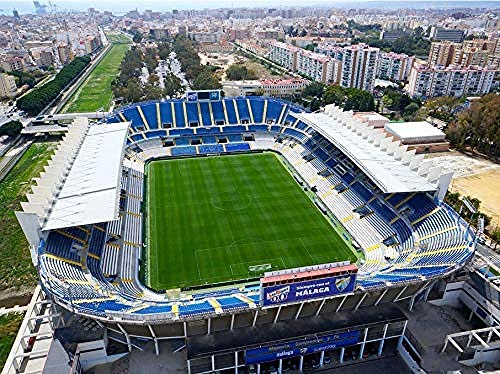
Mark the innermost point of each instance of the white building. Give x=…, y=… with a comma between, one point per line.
x=284, y=54
x=8, y=86
x=394, y=66
x=359, y=66
x=266, y=87
x=315, y=66
x=455, y=81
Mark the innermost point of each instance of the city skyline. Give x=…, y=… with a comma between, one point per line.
x=27, y=7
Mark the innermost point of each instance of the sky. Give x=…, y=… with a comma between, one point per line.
x=121, y=6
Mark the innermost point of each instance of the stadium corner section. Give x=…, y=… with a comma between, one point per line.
x=148, y=257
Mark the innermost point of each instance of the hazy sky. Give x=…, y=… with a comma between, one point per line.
x=26, y=6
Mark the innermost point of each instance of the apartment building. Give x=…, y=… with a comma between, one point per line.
x=430, y=81
x=42, y=56
x=329, y=49
x=394, y=66
x=471, y=52
x=315, y=66
x=8, y=86
x=284, y=54
x=12, y=63
x=452, y=35
x=65, y=53
x=359, y=66
x=267, y=87
x=205, y=37
x=441, y=53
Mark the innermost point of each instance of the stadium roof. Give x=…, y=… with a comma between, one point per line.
x=90, y=191
x=421, y=131
x=384, y=161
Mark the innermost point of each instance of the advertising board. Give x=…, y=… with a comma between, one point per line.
x=301, y=347
x=306, y=290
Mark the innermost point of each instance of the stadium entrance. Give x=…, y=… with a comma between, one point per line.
x=320, y=341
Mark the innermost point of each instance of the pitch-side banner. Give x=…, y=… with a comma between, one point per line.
x=301, y=347
x=312, y=289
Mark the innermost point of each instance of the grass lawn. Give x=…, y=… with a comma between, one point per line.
x=16, y=269
x=95, y=93
x=9, y=324
x=210, y=219
x=118, y=38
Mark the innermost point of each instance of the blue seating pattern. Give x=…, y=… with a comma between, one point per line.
x=427, y=235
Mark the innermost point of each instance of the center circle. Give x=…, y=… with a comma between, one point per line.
x=230, y=201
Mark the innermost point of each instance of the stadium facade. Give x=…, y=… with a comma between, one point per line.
x=84, y=223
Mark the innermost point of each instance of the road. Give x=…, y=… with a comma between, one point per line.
x=489, y=254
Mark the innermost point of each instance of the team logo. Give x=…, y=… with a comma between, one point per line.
x=279, y=295
x=342, y=283
x=192, y=96
x=214, y=95
x=303, y=351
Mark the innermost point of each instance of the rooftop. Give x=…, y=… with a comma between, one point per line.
x=383, y=160
x=90, y=191
x=414, y=130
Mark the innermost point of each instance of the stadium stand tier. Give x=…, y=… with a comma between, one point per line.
x=405, y=237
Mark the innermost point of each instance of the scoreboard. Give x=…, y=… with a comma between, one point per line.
x=205, y=95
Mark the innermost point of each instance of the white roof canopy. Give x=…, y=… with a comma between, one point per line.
x=421, y=131
x=385, y=161
x=81, y=184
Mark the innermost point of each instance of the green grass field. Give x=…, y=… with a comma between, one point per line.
x=118, y=38
x=96, y=93
x=16, y=268
x=210, y=219
x=9, y=324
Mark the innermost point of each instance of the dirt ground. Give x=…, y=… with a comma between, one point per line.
x=476, y=177
x=486, y=187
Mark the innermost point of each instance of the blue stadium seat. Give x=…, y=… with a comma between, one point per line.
x=132, y=115
x=180, y=120
x=149, y=111
x=184, y=151
x=205, y=114
x=231, y=112
x=242, y=106
x=210, y=148
x=237, y=147
x=218, y=111
x=257, y=106
x=192, y=112
x=166, y=114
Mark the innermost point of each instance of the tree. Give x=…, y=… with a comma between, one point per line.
x=410, y=109
x=349, y=98
x=359, y=100
x=172, y=86
x=137, y=37
x=315, y=89
x=206, y=81
x=152, y=92
x=334, y=95
x=495, y=236
x=238, y=72
x=11, y=128
x=477, y=126
x=40, y=97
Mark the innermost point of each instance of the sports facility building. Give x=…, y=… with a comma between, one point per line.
x=255, y=234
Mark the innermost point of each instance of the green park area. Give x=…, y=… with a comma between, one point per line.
x=16, y=268
x=96, y=93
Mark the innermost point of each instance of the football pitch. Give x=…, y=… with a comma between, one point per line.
x=217, y=219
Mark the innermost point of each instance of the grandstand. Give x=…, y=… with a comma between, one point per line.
x=384, y=199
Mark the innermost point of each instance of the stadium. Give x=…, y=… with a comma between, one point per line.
x=181, y=220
